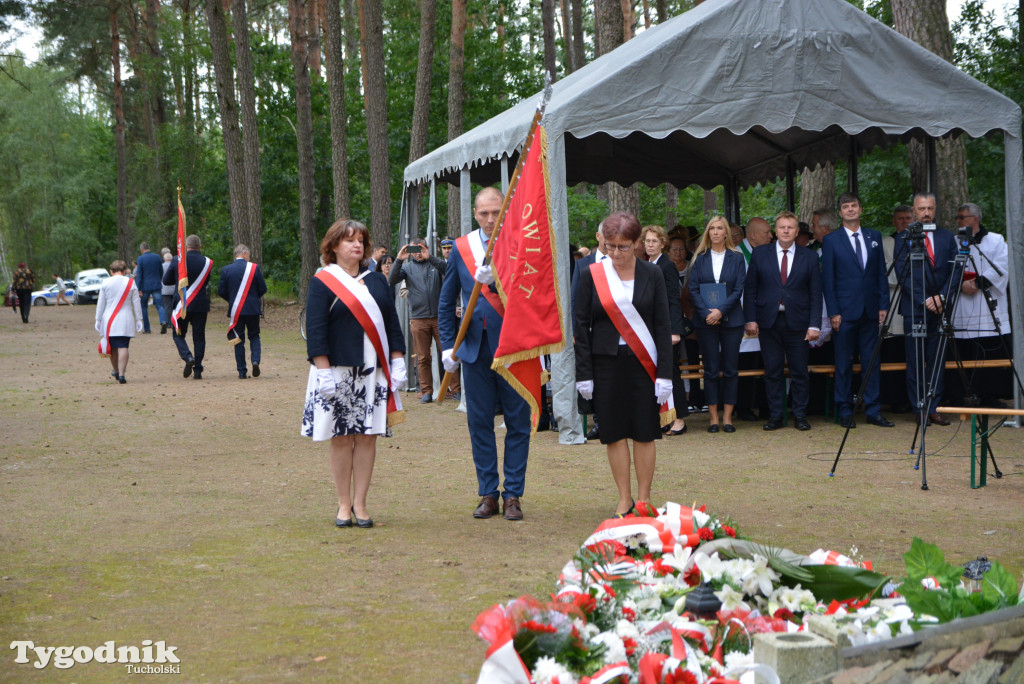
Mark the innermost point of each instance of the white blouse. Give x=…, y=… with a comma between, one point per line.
x=717, y=261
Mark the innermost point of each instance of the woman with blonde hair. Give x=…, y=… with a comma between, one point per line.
x=717, y=274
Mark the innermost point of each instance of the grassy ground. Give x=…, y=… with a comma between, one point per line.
x=193, y=513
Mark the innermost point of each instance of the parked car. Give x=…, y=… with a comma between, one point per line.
x=87, y=284
x=48, y=295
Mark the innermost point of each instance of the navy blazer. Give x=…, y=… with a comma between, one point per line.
x=933, y=280
x=734, y=274
x=231, y=279
x=763, y=289
x=194, y=262
x=458, y=280
x=575, y=280
x=149, y=272
x=595, y=332
x=675, y=311
x=851, y=291
x=333, y=331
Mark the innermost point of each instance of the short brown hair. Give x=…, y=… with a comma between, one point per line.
x=621, y=225
x=787, y=215
x=342, y=228
x=118, y=266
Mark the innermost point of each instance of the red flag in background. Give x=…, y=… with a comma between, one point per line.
x=524, y=258
x=182, y=266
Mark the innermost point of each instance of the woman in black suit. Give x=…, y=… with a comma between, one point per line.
x=655, y=243
x=719, y=328
x=350, y=395
x=615, y=370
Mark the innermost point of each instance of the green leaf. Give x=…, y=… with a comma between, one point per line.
x=999, y=586
x=926, y=560
x=838, y=582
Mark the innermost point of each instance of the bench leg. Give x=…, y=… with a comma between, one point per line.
x=984, y=450
x=974, y=449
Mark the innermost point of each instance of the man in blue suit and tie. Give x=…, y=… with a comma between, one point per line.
x=923, y=299
x=857, y=299
x=149, y=273
x=483, y=386
x=782, y=306
x=242, y=285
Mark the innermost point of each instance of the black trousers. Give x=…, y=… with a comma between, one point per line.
x=197, y=321
x=678, y=384
x=720, y=350
x=252, y=325
x=779, y=345
x=24, y=303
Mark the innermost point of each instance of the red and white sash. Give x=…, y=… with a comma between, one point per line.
x=631, y=326
x=364, y=307
x=104, y=346
x=191, y=293
x=239, y=301
x=471, y=249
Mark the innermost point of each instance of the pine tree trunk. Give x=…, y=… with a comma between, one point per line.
x=304, y=137
x=339, y=120
x=371, y=29
x=662, y=7
x=610, y=28
x=125, y=248
x=817, y=190
x=456, y=65
x=424, y=74
x=925, y=23
x=233, y=154
x=313, y=37
x=671, y=206
x=570, y=56
x=547, y=12
x=577, y=34
x=253, y=238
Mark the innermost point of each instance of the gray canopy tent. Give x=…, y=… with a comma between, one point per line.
x=732, y=93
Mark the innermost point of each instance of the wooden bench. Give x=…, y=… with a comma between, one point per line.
x=980, y=433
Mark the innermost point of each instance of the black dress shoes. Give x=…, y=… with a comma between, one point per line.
x=882, y=421
x=346, y=522
x=255, y=370
x=937, y=419
x=121, y=379
x=847, y=422
x=772, y=425
x=680, y=431
x=189, y=364
x=801, y=424
x=360, y=522
x=593, y=434
x=729, y=427
x=487, y=508
x=713, y=428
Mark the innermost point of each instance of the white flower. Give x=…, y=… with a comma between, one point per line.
x=700, y=518
x=548, y=669
x=633, y=541
x=615, y=650
x=874, y=244
x=626, y=629
x=899, y=613
x=738, y=659
x=731, y=599
x=587, y=630
x=711, y=567
x=789, y=598
x=678, y=558
x=759, y=576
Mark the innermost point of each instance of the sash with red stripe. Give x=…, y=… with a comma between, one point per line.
x=191, y=292
x=631, y=326
x=366, y=311
x=104, y=346
x=239, y=301
x=471, y=249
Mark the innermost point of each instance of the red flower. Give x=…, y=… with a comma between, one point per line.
x=680, y=676
x=692, y=576
x=534, y=626
x=630, y=645
x=729, y=531
x=629, y=614
x=705, y=534
x=661, y=568
x=784, y=614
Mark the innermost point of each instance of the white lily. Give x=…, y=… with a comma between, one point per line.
x=759, y=576
x=731, y=599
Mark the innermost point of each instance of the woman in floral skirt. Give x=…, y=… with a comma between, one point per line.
x=357, y=351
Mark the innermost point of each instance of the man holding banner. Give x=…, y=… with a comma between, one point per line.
x=194, y=307
x=242, y=285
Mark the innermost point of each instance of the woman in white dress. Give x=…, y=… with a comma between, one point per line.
x=357, y=351
x=118, y=317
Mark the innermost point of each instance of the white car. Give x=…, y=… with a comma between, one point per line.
x=48, y=295
x=87, y=284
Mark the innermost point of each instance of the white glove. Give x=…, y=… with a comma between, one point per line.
x=662, y=390
x=138, y=326
x=398, y=373
x=586, y=389
x=99, y=326
x=325, y=383
x=484, y=275
x=450, y=364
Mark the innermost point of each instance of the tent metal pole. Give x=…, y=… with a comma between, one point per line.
x=432, y=208
x=1013, y=164
x=852, y=181
x=933, y=167
x=406, y=231
x=790, y=184
x=504, y=173
x=465, y=201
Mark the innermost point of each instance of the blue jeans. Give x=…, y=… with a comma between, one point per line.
x=158, y=302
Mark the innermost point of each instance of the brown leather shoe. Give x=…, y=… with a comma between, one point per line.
x=512, y=509
x=488, y=507
x=937, y=419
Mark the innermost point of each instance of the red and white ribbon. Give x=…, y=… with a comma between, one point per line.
x=471, y=249
x=503, y=665
x=104, y=346
x=657, y=536
x=239, y=301
x=191, y=292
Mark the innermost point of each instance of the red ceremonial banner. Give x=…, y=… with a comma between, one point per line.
x=524, y=258
x=182, y=266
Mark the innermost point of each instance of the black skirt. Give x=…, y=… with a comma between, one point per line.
x=624, y=400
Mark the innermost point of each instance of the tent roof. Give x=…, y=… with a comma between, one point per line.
x=733, y=89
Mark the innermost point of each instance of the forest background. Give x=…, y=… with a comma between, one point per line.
x=278, y=116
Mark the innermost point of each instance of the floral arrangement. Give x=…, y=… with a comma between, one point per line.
x=628, y=607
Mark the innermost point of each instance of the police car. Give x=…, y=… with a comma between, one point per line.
x=48, y=295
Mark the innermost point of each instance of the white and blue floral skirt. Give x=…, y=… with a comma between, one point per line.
x=359, y=408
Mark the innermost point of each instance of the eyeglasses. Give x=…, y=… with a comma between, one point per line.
x=652, y=242
x=628, y=247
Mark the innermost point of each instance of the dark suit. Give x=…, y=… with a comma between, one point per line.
x=675, y=316
x=483, y=386
x=719, y=344
x=249, y=319
x=197, y=311
x=581, y=266
x=783, y=314
x=857, y=293
x=916, y=288
x=623, y=390
x=333, y=331
x=148, y=275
